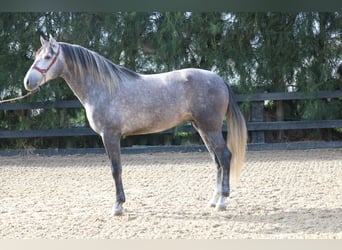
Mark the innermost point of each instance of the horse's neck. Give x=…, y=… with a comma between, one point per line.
x=83, y=85
x=80, y=87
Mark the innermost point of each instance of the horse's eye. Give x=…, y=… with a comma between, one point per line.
x=47, y=57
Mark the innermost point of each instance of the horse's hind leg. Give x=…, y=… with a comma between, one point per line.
x=222, y=159
x=112, y=145
x=221, y=155
x=215, y=197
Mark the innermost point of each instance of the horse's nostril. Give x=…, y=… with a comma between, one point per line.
x=27, y=84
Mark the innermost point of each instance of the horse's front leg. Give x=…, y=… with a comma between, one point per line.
x=111, y=142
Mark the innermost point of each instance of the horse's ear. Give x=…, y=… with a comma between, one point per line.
x=52, y=40
x=42, y=41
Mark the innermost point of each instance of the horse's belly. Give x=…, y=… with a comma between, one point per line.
x=143, y=124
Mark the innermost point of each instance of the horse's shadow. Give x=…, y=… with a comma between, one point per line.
x=308, y=220
x=299, y=221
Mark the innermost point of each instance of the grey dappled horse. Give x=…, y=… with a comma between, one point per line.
x=120, y=102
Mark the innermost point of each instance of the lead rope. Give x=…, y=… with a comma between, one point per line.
x=20, y=97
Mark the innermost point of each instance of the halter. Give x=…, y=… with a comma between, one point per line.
x=44, y=71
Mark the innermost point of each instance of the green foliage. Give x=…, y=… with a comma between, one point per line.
x=254, y=52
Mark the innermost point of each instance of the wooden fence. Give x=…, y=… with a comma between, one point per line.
x=257, y=126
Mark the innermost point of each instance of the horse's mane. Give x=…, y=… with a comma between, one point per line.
x=104, y=72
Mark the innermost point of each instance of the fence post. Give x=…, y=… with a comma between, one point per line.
x=257, y=116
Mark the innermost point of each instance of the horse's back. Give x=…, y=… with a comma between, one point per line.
x=196, y=85
x=204, y=95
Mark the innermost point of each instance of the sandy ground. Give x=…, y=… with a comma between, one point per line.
x=282, y=194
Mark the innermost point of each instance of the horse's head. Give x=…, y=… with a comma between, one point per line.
x=47, y=65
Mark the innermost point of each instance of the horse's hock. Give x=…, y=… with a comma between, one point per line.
x=282, y=194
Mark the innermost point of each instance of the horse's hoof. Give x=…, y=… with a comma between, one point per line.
x=117, y=210
x=220, y=207
x=212, y=204
x=213, y=201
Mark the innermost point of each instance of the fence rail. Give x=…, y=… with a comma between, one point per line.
x=257, y=126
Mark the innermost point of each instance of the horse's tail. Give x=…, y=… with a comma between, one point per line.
x=236, y=137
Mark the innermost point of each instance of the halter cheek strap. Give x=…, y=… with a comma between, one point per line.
x=44, y=71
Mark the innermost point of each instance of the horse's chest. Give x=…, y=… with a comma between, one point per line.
x=100, y=118
x=93, y=121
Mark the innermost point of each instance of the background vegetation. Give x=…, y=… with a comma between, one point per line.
x=254, y=52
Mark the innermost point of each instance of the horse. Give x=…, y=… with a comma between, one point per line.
x=120, y=102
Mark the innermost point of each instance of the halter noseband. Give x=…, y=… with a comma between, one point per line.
x=44, y=71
